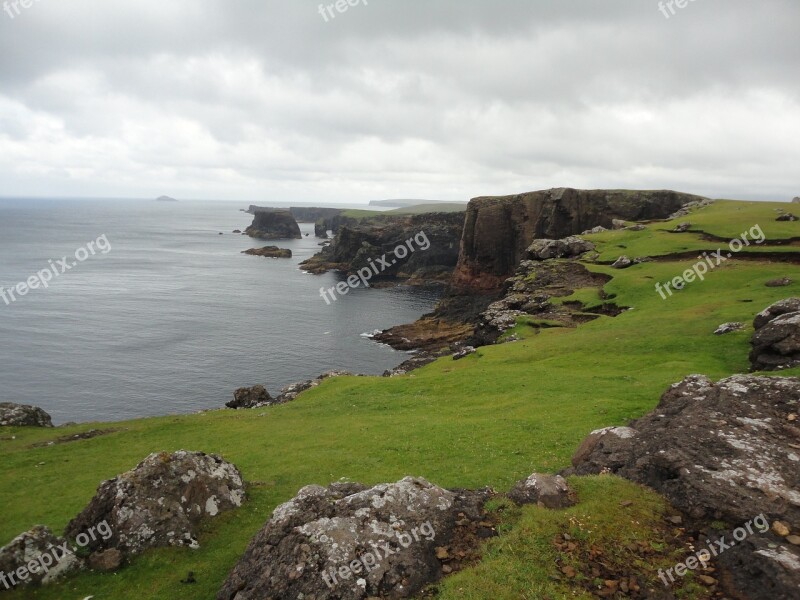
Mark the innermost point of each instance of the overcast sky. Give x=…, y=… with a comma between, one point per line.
x=442, y=99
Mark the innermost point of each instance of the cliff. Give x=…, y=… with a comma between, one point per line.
x=498, y=230
x=359, y=241
x=274, y=224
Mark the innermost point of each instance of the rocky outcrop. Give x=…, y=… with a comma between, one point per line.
x=726, y=451
x=499, y=230
x=715, y=450
x=417, y=248
x=252, y=397
x=269, y=252
x=161, y=502
x=350, y=542
x=570, y=247
x=776, y=342
x=796, y=200
x=40, y=549
x=787, y=217
x=547, y=491
x=23, y=415
x=274, y=224
x=726, y=328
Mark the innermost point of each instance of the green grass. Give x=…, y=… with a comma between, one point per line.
x=489, y=419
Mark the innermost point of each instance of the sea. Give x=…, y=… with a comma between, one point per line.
x=153, y=312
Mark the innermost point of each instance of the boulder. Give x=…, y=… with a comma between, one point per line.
x=161, y=502
x=254, y=397
x=780, y=282
x=623, y=262
x=464, y=352
x=728, y=328
x=39, y=546
x=782, y=307
x=23, y=415
x=547, y=491
x=776, y=345
x=715, y=450
x=347, y=541
x=787, y=217
x=618, y=224
x=682, y=228
x=567, y=248
x=598, y=229
x=637, y=227
x=269, y=252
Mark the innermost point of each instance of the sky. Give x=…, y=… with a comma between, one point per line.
x=265, y=100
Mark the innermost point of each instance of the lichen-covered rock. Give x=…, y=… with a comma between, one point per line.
x=349, y=542
x=161, y=502
x=715, y=450
x=548, y=491
x=724, y=451
x=254, y=397
x=776, y=345
x=782, y=307
x=726, y=328
x=23, y=415
x=569, y=247
x=51, y=557
x=623, y=262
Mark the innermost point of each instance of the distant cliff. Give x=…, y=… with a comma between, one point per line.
x=274, y=224
x=358, y=241
x=497, y=230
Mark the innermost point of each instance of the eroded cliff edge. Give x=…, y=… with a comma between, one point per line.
x=498, y=230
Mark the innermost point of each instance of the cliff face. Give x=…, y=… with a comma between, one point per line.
x=497, y=230
x=274, y=225
x=358, y=242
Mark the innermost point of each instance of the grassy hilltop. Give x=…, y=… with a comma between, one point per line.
x=488, y=420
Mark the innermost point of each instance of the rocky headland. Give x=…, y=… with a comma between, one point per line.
x=274, y=224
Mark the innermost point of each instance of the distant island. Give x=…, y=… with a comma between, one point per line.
x=165, y=199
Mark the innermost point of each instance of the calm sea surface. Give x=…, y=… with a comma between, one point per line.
x=173, y=318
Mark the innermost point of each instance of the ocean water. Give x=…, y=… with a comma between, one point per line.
x=169, y=316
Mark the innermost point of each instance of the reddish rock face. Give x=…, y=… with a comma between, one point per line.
x=498, y=230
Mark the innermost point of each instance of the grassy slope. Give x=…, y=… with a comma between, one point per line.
x=418, y=209
x=489, y=419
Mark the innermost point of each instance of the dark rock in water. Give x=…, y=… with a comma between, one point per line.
x=269, y=252
x=787, y=217
x=728, y=328
x=567, y=248
x=23, y=415
x=623, y=262
x=254, y=397
x=548, y=491
x=782, y=282
x=720, y=451
x=782, y=307
x=776, y=345
x=347, y=541
x=274, y=224
x=161, y=502
x=31, y=546
x=105, y=560
x=237, y=231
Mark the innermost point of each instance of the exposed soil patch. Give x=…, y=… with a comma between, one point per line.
x=86, y=435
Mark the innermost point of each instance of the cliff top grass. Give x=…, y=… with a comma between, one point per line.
x=489, y=419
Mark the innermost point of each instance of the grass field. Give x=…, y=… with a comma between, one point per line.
x=489, y=419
